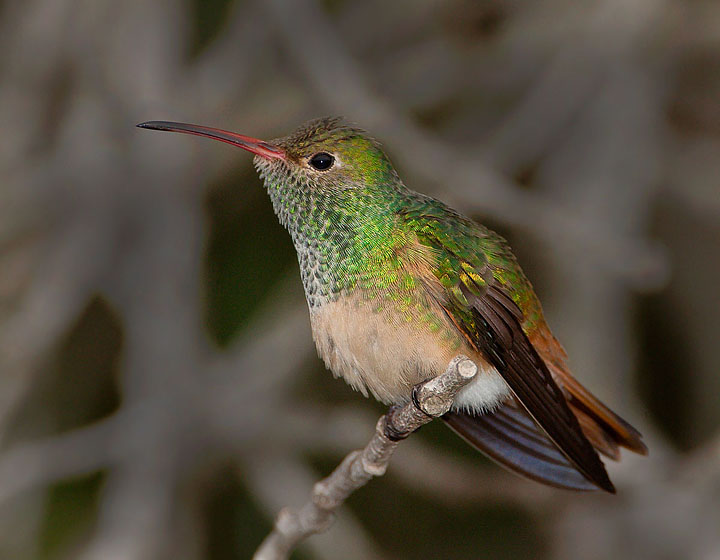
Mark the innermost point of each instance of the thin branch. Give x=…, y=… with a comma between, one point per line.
x=431, y=399
x=420, y=466
x=280, y=476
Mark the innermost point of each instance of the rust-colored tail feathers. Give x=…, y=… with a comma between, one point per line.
x=605, y=429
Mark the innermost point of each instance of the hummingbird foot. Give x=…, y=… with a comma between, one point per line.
x=430, y=399
x=390, y=429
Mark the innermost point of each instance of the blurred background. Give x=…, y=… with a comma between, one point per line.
x=160, y=396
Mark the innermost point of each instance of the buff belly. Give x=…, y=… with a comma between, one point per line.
x=385, y=355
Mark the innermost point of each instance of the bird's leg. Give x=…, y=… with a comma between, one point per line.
x=430, y=399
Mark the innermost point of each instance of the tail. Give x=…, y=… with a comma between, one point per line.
x=605, y=429
x=511, y=437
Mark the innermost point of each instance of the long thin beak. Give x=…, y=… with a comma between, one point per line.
x=248, y=143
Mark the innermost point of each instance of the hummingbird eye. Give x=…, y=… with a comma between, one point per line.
x=322, y=161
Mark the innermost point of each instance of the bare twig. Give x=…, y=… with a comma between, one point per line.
x=430, y=400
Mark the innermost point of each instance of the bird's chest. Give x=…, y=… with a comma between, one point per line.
x=376, y=325
x=379, y=348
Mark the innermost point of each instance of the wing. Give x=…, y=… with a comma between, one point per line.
x=511, y=438
x=486, y=296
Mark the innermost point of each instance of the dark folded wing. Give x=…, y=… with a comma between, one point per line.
x=511, y=438
x=498, y=334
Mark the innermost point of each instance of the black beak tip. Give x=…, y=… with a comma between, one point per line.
x=148, y=124
x=160, y=125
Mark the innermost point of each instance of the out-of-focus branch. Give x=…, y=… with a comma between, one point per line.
x=430, y=400
x=604, y=109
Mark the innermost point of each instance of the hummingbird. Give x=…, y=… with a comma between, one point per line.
x=398, y=283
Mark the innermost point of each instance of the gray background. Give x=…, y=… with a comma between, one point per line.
x=160, y=396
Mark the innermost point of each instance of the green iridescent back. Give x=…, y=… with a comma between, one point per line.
x=470, y=257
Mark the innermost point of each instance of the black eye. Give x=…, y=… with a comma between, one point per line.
x=322, y=161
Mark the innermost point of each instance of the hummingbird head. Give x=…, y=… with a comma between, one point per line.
x=323, y=156
x=334, y=190
x=331, y=186
x=327, y=156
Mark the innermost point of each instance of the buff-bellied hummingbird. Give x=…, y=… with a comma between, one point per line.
x=398, y=284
